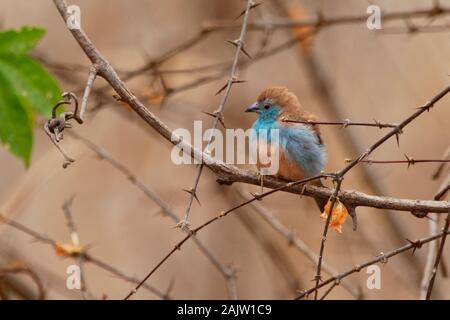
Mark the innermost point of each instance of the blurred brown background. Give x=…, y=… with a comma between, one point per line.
x=369, y=76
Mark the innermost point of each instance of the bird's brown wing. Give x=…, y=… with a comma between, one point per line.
x=301, y=115
x=315, y=127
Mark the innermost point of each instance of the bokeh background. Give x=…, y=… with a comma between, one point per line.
x=346, y=71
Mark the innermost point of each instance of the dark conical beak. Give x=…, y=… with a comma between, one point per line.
x=253, y=108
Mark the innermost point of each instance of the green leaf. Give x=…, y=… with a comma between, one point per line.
x=33, y=85
x=20, y=42
x=16, y=127
x=26, y=88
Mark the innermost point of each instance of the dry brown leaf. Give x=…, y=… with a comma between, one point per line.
x=338, y=215
x=67, y=249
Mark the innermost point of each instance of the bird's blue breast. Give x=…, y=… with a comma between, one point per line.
x=298, y=142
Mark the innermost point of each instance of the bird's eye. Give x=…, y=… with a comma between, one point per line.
x=266, y=106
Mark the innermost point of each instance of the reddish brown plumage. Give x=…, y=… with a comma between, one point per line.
x=290, y=109
x=280, y=96
x=290, y=106
x=287, y=169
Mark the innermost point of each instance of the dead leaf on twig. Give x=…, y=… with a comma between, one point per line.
x=338, y=216
x=68, y=249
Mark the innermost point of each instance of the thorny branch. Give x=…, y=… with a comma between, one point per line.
x=218, y=114
x=322, y=87
x=438, y=256
x=229, y=174
x=153, y=65
x=321, y=21
x=431, y=255
x=294, y=240
x=216, y=218
x=381, y=258
x=439, y=252
x=409, y=161
x=227, y=271
x=340, y=175
x=346, y=123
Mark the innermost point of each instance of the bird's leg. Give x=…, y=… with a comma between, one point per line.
x=262, y=182
x=303, y=189
x=352, y=213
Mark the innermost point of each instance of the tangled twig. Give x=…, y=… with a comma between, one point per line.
x=381, y=258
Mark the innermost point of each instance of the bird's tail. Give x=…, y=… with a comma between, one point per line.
x=321, y=202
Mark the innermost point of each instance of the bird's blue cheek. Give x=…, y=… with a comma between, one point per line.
x=266, y=122
x=268, y=117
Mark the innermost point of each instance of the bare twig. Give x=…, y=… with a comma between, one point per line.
x=87, y=91
x=21, y=268
x=227, y=271
x=239, y=43
x=321, y=21
x=346, y=123
x=315, y=25
x=281, y=259
x=216, y=218
x=75, y=238
x=151, y=65
x=432, y=247
x=334, y=197
x=293, y=240
x=443, y=189
x=411, y=29
x=438, y=257
x=87, y=257
x=409, y=161
x=431, y=255
x=440, y=169
x=334, y=285
x=382, y=257
x=438, y=253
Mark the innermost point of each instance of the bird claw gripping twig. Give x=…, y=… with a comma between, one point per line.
x=54, y=127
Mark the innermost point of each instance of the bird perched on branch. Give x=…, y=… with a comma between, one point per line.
x=302, y=153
